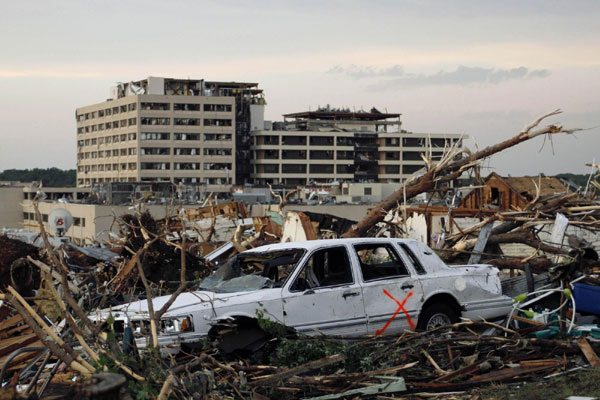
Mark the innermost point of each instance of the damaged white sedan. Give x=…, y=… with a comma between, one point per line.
x=338, y=287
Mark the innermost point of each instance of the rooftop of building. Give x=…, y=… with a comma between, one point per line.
x=335, y=114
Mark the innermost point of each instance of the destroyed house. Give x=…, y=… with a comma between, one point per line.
x=511, y=192
x=339, y=145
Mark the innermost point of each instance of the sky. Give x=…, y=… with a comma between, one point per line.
x=484, y=69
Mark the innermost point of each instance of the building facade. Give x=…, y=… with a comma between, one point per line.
x=328, y=145
x=162, y=129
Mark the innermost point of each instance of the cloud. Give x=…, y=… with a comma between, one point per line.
x=462, y=76
x=365, y=71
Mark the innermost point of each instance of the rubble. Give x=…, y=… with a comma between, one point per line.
x=48, y=332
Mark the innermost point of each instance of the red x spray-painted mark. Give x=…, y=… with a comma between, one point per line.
x=400, y=307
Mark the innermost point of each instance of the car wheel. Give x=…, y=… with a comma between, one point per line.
x=436, y=315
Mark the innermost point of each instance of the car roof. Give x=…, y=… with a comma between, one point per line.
x=316, y=244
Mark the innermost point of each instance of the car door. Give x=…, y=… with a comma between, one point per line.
x=325, y=294
x=392, y=296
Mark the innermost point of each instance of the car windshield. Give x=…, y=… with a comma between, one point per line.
x=253, y=271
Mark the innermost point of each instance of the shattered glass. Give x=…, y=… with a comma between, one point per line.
x=253, y=271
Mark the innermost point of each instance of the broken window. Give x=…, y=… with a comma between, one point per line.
x=186, y=151
x=186, y=136
x=217, y=107
x=155, y=165
x=321, y=168
x=411, y=169
x=321, y=140
x=154, y=136
x=131, y=136
x=379, y=261
x=217, y=122
x=345, y=141
x=392, y=155
x=413, y=259
x=321, y=154
x=131, y=107
x=187, y=121
x=270, y=168
x=155, y=121
x=413, y=142
x=293, y=154
x=325, y=268
x=186, y=107
x=392, y=142
x=156, y=106
x=132, y=151
x=123, y=108
x=217, y=152
x=253, y=271
x=132, y=121
x=293, y=168
x=345, y=169
x=392, y=169
x=186, y=165
x=217, y=166
x=221, y=137
x=156, y=151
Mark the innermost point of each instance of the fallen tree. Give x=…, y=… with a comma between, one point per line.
x=449, y=169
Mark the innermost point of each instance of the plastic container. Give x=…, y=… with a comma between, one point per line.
x=587, y=298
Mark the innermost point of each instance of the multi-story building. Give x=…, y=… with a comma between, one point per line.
x=340, y=145
x=162, y=129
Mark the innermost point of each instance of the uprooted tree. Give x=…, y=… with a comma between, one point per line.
x=449, y=169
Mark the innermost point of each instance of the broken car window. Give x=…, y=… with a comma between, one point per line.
x=253, y=271
x=379, y=261
x=327, y=267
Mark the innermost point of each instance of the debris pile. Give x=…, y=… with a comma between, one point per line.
x=51, y=331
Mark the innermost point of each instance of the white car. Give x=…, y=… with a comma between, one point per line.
x=338, y=287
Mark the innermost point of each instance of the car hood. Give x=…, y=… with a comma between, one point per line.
x=189, y=302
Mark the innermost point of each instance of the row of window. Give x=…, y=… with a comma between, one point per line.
x=329, y=169
x=124, y=123
x=208, y=137
x=27, y=216
x=107, y=167
x=318, y=140
x=185, y=121
x=183, y=151
x=340, y=155
x=158, y=106
x=107, y=139
x=186, y=165
x=132, y=151
x=107, y=112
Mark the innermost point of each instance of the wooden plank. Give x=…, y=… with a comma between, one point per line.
x=9, y=345
x=301, y=369
x=10, y=322
x=588, y=352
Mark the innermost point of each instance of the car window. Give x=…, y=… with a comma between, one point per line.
x=415, y=261
x=324, y=268
x=379, y=261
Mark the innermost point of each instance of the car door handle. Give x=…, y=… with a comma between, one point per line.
x=407, y=286
x=349, y=294
x=309, y=291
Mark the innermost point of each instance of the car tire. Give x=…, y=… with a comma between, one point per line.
x=436, y=315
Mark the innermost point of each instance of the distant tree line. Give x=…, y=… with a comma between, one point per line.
x=48, y=176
